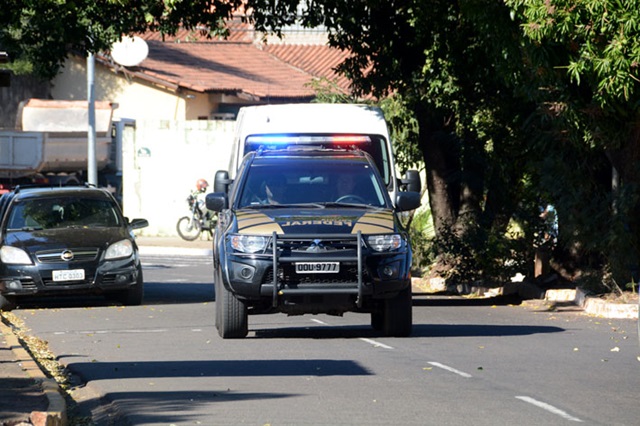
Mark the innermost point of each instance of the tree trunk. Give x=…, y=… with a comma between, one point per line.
x=442, y=169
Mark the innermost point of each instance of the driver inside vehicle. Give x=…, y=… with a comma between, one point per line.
x=345, y=185
x=347, y=190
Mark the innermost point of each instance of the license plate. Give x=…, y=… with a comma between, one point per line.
x=68, y=275
x=317, y=267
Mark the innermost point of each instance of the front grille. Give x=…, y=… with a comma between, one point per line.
x=56, y=256
x=315, y=245
x=28, y=283
x=109, y=279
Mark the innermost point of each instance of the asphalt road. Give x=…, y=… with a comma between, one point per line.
x=480, y=362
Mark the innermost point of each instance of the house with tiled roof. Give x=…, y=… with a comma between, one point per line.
x=189, y=76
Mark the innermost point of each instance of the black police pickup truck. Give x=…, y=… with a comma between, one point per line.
x=310, y=231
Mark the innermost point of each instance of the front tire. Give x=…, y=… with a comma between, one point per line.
x=133, y=295
x=216, y=288
x=398, y=316
x=188, y=228
x=377, y=320
x=7, y=303
x=231, y=314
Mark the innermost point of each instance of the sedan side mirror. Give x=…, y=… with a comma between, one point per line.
x=138, y=223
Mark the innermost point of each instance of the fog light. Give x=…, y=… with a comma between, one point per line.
x=14, y=285
x=246, y=273
x=388, y=271
x=121, y=279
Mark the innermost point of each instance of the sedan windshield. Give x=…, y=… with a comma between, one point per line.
x=312, y=182
x=49, y=213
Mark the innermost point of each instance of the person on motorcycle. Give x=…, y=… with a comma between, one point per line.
x=199, y=195
x=200, y=218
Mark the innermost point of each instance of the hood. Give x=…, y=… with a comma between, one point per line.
x=315, y=221
x=65, y=238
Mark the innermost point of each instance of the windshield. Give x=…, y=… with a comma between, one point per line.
x=49, y=213
x=309, y=181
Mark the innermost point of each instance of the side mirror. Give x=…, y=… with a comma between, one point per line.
x=412, y=181
x=406, y=201
x=221, y=182
x=216, y=201
x=138, y=223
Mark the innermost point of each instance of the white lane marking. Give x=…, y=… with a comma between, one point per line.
x=376, y=344
x=370, y=341
x=451, y=369
x=550, y=408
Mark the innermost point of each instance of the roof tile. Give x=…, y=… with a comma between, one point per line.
x=239, y=64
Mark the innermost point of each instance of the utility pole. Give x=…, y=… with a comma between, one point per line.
x=92, y=169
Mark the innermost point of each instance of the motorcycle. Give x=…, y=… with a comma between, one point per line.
x=190, y=227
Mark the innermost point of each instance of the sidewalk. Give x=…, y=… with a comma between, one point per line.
x=28, y=396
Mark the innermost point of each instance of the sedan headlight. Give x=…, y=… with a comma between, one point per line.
x=249, y=243
x=15, y=256
x=385, y=242
x=118, y=250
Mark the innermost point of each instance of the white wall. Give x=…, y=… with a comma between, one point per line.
x=162, y=160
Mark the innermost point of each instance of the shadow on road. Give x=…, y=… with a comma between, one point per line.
x=419, y=330
x=90, y=371
x=154, y=294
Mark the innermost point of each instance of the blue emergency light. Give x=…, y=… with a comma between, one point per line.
x=307, y=139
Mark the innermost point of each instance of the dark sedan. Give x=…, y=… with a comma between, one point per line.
x=68, y=240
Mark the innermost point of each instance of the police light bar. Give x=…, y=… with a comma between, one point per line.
x=307, y=139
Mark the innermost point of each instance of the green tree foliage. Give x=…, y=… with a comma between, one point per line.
x=587, y=56
x=43, y=32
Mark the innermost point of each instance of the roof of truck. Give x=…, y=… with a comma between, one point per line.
x=314, y=118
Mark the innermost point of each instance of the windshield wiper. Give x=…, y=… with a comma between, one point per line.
x=284, y=206
x=358, y=205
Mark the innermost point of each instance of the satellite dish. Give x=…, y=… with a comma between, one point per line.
x=130, y=51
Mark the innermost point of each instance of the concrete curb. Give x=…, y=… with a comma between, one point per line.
x=56, y=414
x=590, y=305
x=601, y=308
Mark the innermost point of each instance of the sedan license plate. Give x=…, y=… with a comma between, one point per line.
x=69, y=275
x=317, y=267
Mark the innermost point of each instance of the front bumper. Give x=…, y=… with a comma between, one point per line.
x=31, y=280
x=364, y=273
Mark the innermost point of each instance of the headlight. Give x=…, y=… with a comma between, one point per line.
x=386, y=242
x=14, y=256
x=249, y=243
x=120, y=249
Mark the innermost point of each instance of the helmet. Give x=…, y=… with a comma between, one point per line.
x=202, y=185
